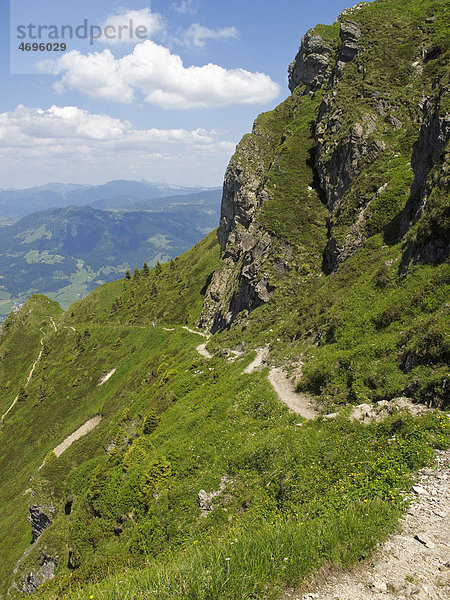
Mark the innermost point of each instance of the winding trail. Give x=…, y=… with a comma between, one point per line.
x=284, y=387
x=259, y=360
x=30, y=375
x=203, y=351
x=205, y=335
x=53, y=323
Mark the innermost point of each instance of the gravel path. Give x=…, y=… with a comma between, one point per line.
x=259, y=360
x=284, y=387
x=205, y=335
x=203, y=351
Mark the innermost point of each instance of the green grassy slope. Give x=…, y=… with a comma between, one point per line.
x=283, y=496
x=179, y=424
x=64, y=392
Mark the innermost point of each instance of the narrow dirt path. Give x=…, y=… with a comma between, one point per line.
x=53, y=323
x=413, y=563
x=203, y=351
x=284, y=387
x=259, y=360
x=205, y=335
x=30, y=375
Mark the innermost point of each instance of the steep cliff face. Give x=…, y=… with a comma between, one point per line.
x=428, y=201
x=240, y=284
x=369, y=87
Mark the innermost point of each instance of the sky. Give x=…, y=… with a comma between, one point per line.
x=160, y=91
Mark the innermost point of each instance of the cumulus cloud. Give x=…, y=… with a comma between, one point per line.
x=131, y=26
x=186, y=7
x=162, y=78
x=70, y=142
x=197, y=35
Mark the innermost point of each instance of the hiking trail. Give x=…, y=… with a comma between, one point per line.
x=283, y=385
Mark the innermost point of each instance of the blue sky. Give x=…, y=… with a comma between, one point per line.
x=169, y=106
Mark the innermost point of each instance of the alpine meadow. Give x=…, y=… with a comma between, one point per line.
x=252, y=415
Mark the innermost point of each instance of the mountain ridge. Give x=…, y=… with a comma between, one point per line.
x=16, y=203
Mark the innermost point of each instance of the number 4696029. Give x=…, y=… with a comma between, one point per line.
x=43, y=47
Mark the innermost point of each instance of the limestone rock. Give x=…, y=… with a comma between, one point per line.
x=350, y=33
x=424, y=539
x=204, y=499
x=39, y=519
x=396, y=586
x=378, y=586
x=45, y=573
x=312, y=65
x=429, y=151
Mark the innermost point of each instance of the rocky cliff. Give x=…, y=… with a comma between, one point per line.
x=372, y=92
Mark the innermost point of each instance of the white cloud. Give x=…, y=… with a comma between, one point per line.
x=196, y=34
x=161, y=77
x=185, y=7
x=131, y=26
x=71, y=144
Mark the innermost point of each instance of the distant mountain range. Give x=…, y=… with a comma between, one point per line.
x=121, y=195
x=65, y=252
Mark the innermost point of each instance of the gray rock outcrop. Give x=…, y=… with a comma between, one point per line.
x=351, y=152
x=205, y=499
x=45, y=573
x=429, y=154
x=239, y=283
x=312, y=65
x=39, y=519
x=350, y=33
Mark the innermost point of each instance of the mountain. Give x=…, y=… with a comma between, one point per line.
x=118, y=194
x=117, y=202
x=67, y=252
x=251, y=415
